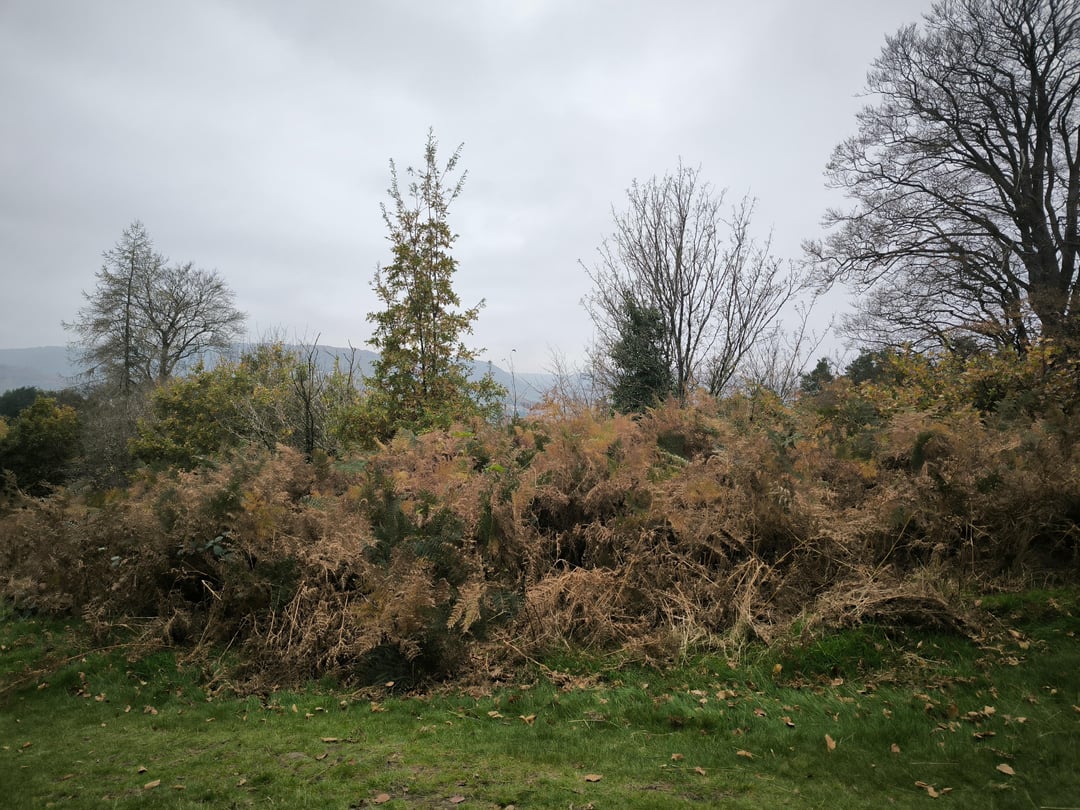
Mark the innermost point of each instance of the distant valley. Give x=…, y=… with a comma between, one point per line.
x=50, y=368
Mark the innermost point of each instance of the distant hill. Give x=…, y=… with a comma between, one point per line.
x=44, y=367
x=50, y=368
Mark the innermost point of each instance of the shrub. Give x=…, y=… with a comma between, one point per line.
x=40, y=443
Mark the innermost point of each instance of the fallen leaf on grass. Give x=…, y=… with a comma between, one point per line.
x=375, y=708
x=152, y=785
x=457, y=799
x=677, y=757
x=932, y=791
x=759, y=712
x=382, y=798
x=894, y=748
x=699, y=770
x=527, y=719
x=593, y=777
x=494, y=715
x=788, y=721
x=330, y=739
x=142, y=769
x=26, y=744
x=1006, y=769
x=830, y=743
x=743, y=753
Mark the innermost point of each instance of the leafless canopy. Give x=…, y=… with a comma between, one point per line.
x=966, y=177
x=146, y=317
x=675, y=250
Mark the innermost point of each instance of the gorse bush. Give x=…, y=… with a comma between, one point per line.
x=39, y=443
x=455, y=551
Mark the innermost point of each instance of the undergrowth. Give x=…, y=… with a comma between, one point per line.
x=463, y=554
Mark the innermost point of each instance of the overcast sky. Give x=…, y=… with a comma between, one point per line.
x=253, y=137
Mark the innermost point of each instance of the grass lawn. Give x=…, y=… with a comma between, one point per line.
x=863, y=718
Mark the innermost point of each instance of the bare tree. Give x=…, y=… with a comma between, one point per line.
x=966, y=177
x=778, y=358
x=146, y=318
x=185, y=311
x=715, y=288
x=108, y=341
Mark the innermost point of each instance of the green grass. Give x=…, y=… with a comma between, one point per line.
x=659, y=739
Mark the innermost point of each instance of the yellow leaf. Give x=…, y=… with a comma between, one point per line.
x=527, y=719
x=776, y=670
x=295, y=710
x=1006, y=769
x=742, y=753
x=494, y=714
x=830, y=743
x=152, y=785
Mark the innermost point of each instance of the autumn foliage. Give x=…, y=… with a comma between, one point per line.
x=464, y=551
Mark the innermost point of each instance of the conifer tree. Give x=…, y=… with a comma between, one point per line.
x=642, y=371
x=421, y=378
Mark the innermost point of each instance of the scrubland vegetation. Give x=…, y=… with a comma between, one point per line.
x=466, y=552
x=738, y=601
x=704, y=578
